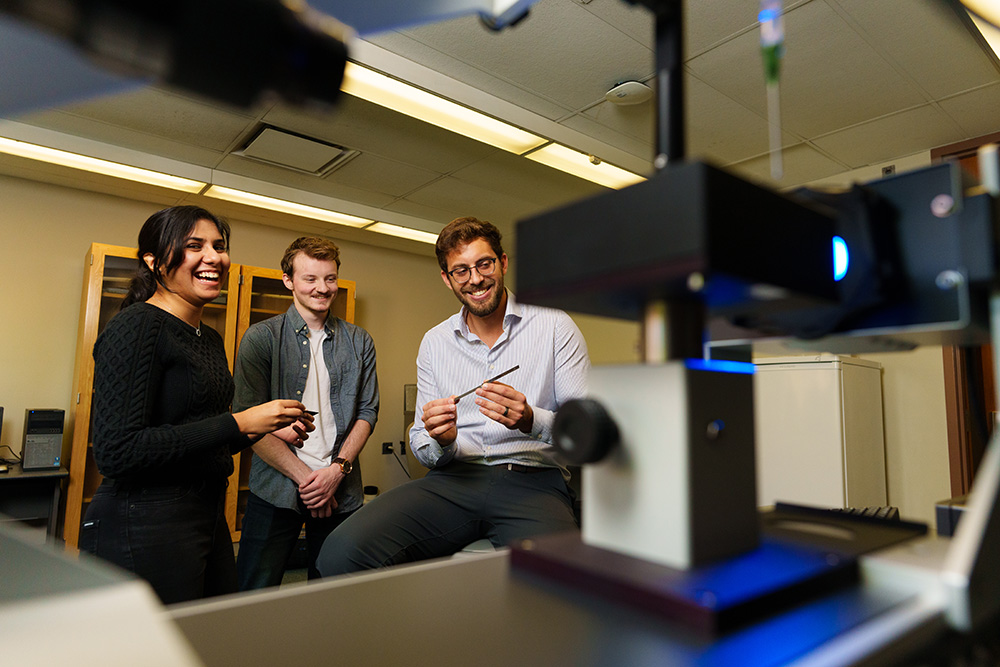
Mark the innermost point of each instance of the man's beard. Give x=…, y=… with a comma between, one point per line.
x=484, y=309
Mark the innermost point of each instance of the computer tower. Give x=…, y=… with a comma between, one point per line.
x=43, y=435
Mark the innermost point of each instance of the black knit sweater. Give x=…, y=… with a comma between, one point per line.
x=161, y=400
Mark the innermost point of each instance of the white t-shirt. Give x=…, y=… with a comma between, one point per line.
x=317, y=451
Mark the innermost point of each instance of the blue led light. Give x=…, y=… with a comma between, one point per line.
x=841, y=258
x=719, y=366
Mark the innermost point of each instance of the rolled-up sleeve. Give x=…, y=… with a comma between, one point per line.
x=368, y=397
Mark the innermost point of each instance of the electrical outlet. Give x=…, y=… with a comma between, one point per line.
x=387, y=448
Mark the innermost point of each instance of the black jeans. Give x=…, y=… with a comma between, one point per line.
x=174, y=536
x=269, y=536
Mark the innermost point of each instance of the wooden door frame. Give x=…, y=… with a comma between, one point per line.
x=968, y=371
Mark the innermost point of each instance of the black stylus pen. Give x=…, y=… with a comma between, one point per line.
x=492, y=379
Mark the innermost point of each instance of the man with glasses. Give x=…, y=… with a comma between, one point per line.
x=493, y=472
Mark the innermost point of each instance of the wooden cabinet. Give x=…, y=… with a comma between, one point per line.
x=252, y=294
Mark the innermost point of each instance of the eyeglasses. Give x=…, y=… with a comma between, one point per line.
x=484, y=267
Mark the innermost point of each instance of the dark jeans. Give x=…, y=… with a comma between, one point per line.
x=174, y=536
x=269, y=536
x=445, y=511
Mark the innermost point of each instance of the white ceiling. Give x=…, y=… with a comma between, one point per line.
x=864, y=82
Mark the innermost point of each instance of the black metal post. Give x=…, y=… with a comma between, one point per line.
x=670, y=146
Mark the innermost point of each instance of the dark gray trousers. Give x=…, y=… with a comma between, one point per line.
x=446, y=510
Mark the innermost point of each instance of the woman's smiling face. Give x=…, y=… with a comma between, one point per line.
x=202, y=274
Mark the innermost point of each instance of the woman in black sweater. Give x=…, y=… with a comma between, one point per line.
x=162, y=432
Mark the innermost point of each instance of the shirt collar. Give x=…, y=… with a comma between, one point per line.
x=299, y=324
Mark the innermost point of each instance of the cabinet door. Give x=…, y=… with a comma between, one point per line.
x=264, y=295
x=108, y=270
x=107, y=273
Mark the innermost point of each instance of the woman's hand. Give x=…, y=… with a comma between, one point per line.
x=271, y=416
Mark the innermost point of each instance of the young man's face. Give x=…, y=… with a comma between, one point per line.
x=481, y=294
x=313, y=284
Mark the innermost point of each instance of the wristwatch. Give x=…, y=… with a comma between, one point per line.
x=345, y=466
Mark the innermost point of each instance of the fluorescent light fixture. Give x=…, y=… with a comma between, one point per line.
x=402, y=232
x=987, y=9
x=580, y=164
x=283, y=206
x=97, y=166
x=989, y=31
x=404, y=98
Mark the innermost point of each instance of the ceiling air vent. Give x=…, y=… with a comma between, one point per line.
x=293, y=151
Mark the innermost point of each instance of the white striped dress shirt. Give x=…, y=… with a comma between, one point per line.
x=552, y=355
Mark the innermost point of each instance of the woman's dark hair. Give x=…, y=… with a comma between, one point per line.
x=163, y=236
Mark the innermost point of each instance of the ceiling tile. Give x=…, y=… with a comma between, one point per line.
x=721, y=129
x=820, y=87
x=885, y=138
x=801, y=163
x=376, y=130
x=967, y=110
x=159, y=113
x=261, y=171
x=560, y=51
x=109, y=133
x=381, y=175
x=628, y=127
x=532, y=182
x=424, y=212
x=469, y=199
x=709, y=22
x=404, y=45
x=926, y=40
x=634, y=20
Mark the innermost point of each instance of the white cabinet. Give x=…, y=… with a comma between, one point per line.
x=819, y=431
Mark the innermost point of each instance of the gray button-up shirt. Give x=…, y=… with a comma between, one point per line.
x=273, y=362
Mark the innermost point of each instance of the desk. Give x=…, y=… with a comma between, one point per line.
x=495, y=616
x=32, y=494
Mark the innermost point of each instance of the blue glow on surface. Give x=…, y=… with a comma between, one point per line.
x=841, y=258
x=769, y=14
x=719, y=366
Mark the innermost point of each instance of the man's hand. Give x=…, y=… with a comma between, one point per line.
x=296, y=434
x=439, y=419
x=504, y=404
x=324, y=512
x=318, y=488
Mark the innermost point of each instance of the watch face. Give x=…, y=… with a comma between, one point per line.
x=345, y=466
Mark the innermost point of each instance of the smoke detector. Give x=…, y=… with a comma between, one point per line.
x=629, y=92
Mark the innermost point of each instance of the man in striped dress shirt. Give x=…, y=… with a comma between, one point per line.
x=493, y=470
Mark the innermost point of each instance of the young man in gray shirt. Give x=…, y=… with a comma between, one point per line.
x=328, y=364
